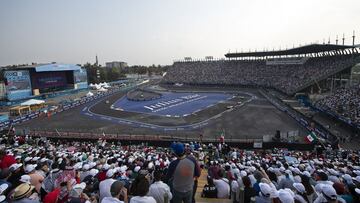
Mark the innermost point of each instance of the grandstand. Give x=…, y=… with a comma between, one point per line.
x=289, y=71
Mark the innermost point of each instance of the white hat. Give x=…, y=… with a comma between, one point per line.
x=357, y=190
x=36, y=158
x=243, y=173
x=78, y=166
x=30, y=167
x=18, y=157
x=347, y=177
x=80, y=186
x=357, y=179
x=286, y=196
x=92, y=164
x=43, y=160
x=93, y=172
x=137, y=169
x=265, y=189
x=110, y=173
x=357, y=172
x=28, y=159
x=297, y=171
x=151, y=165
x=329, y=192
x=25, y=179
x=3, y=187
x=86, y=167
x=106, y=167
x=288, y=172
x=2, y=198
x=306, y=173
x=299, y=187
x=14, y=167
x=123, y=168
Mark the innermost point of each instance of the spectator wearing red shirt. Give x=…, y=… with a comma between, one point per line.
x=6, y=160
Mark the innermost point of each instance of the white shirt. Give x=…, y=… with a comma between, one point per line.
x=223, y=188
x=158, y=190
x=144, y=199
x=111, y=200
x=104, y=188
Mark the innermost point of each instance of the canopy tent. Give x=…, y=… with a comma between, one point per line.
x=90, y=94
x=32, y=102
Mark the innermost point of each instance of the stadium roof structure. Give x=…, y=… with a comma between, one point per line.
x=307, y=49
x=46, y=67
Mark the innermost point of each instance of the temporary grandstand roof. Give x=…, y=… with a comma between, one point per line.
x=307, y=49
x=32, y=102
x=57, y=67
x=47, y=67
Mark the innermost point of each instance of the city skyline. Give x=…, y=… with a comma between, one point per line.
x=158, y=32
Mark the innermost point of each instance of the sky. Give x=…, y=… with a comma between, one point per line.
x=145, y=32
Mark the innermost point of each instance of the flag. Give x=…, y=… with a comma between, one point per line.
x=311, y=138
x=222, y=136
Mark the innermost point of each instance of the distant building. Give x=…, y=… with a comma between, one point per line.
x=116, y=64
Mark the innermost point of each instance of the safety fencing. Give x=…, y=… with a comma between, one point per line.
x=165, y=140
x=67, y=106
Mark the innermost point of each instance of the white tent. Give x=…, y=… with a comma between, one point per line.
x=32, y=102
x=102, y=89
x=90, y=94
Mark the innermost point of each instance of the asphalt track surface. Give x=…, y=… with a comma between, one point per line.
x=252, y=118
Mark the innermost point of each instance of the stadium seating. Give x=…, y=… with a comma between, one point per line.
x=344, y=102
x=283, y=77
x=68, y=171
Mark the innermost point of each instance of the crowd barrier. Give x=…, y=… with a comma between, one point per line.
x=166, y=140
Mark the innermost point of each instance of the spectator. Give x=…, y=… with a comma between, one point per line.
x=222, y=186
x=24, y=193
x=105, y=185
x=6, y=160
x=117, y=191
x=209, y=190
x=159, y=190
x=140, y=189
x=182, y=171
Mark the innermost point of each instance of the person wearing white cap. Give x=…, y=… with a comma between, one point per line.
x=286, y=182
x=25, y=179
x=105, y=185
x=286, y=196
x=300, y=193
x=264, y=194
x=328, y=194
x=85, y=171
x=35, y=179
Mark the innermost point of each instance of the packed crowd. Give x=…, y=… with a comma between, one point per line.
x=344, y=102
x=285, y=78
x=40, y=170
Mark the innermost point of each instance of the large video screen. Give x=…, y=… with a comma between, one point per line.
x=18, y=84
x=80, y=76
x=49, y=80
x=17, y=80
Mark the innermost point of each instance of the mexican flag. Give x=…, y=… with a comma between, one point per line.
x=311, y=138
